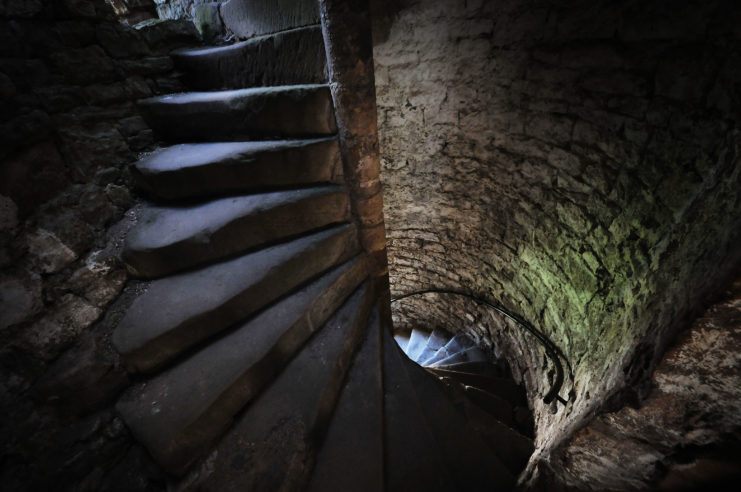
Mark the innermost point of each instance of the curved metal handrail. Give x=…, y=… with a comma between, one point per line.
x=551, y=349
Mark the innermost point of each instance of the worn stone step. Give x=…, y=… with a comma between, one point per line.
x=498, y=407
x=168, y=239
x=436, y=340
x=177, y=312
x=483, y=368
x=299, y=111
x=473, y=465
x=209, y=169
x=402, y=340
x=509, y=443
x=512, y=448
x=417, y=341
x=459, y=342
x=413, y=461
x=351, y=456
x=271, y=444
x=505, y=388
x=257, y=17
x=294, y=56
x=197, y=400
x=471, y=354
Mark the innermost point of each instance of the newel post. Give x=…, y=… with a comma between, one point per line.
x=346, y=27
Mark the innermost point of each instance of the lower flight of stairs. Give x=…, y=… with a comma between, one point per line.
x=261, y=359
x=480, y=387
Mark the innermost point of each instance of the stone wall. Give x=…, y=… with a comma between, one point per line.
x=577, y=161
x=178, y=9
x=70, y=74
x=686, y=432
x=132, y=12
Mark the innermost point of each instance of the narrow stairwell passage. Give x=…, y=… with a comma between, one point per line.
x=260, y=353
x=494, y=405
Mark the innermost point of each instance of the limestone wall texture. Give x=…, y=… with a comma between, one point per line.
x=178, y=9
x=577, y=161
x=685, y=433
x=70, y=74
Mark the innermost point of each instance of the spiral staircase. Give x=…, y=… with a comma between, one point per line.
x=262, y=355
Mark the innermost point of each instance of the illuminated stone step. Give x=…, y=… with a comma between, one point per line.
x=459, y=342
x=417, y=341
x=471, y=354
x=208, y=169
x=298, y=111
x=402, y=340
x=168, y=239
x=175, y=313
x=294, y=56
x=435, y=341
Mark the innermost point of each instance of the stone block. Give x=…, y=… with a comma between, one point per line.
x=121, y=41
x=207, y=19
x=75, y=33
x=7, y=88
x=26, y=73
x=163, y=35
x=8, y=214
x=20, y=8
x=249, y=19
x=50, y=253
x=61, y=325
x=90, y=147
x=151, y=66
x=33, y=176
x=59, y=98
x=20, y=298
x=86, y=377
x=84, y=65
x=84, y=8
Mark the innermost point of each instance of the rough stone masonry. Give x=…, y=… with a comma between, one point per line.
x=70, y=74
x=577, y=161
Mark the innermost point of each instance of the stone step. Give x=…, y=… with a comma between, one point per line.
x=483, y=368
x=177, y=312
x=257, y=17
x=272, y=443
x=402, y=340
x=504, y=388
x=472, y=354
x=512, y=448
x=351, y=456
x=473, y=465
x=492, y=431
x=459, y=342
x=168, y=239
x=197, y=400
x=294, y=56
x=500, y=408
x=209, y=169
x=412, y=457
x=298, y=111
x=416, y=343
x=437, y=340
